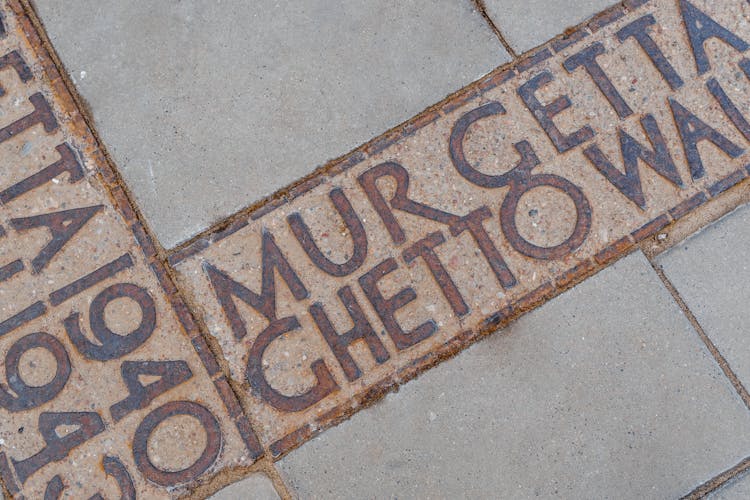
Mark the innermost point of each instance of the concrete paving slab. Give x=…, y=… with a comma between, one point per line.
x=210, y=106
x=737, y=489
x=604, y=392
x=530, y=23
x=409, y=250
x=254, y=487
x=107, y=388
x=103, y=363
x=711, y=272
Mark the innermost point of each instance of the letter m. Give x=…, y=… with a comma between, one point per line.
x=227, y=289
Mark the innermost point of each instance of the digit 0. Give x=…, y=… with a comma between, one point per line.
x=29, y=396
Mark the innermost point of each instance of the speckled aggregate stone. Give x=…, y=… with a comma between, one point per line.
x=474, y=212
x=101, y=390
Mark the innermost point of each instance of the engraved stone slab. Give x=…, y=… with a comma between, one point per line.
x=106, y=387
x=475, y=211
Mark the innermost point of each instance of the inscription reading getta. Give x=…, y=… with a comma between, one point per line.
x=105, y=390
x=415, y=244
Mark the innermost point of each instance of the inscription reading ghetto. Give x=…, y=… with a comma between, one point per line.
x=474, y=211
x=105, y=391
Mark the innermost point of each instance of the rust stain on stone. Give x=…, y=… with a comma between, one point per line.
x=452, y=225
x=106, y=386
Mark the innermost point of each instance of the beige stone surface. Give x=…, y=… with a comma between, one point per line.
x=102, y=390
x=264, y=317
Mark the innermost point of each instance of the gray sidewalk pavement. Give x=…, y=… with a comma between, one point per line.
x=208, y=107
x=528, y=23
x=255, y=487
x=223, y=103
x=614, y=389
x=711, y=272
x=605, y=392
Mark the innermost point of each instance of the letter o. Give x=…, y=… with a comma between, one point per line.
x=508, y=216
x=152, y=420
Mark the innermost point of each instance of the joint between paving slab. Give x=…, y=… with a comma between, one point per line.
x=694, y=214
x=718, y=481
x=4, y=490
x=705, y=212
x=265, y=463
x=482, y=9
x=723, y=364
x=277, y=479
x=114, y=182
x=121, y=196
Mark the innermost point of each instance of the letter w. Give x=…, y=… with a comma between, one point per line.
x=657, y=158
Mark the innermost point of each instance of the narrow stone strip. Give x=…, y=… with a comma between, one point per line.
x=380, y=265
x=107, y=388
